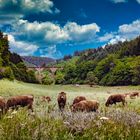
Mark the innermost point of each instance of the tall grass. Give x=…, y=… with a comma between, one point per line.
x=23, y=125
x=47, y=123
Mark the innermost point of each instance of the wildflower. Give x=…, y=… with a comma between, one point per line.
x=104, y=118
x=14, y=112
x=9, y=117
x=67, y=123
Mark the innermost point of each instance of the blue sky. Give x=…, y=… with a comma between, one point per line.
x=54, y=28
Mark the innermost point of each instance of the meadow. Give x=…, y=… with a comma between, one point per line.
x=48, y=123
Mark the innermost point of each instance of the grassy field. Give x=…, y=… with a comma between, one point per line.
x=48, y=123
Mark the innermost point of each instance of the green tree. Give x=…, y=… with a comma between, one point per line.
x=47, y=79
x=105, y=66
x=91, y=78
x=59, y=77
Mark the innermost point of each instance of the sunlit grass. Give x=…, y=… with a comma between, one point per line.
x=47, y=123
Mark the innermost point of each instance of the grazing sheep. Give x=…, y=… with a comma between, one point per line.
x=126, y=94
x=134, y=94
x=113, y=99
x=46, y=98
x=86, y=105
x=61, y=100
x=2, y=105
x=22, y=101
x=78, y=99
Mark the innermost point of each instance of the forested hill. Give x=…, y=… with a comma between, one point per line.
x=117, y=64
x=11, y=64
x=34, y=61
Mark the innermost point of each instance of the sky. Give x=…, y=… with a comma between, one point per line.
x=54, y=28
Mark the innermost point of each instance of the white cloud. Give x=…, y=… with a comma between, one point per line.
x=119, y=1
x=15, y=9
x=116, y=39
x=37, y=5
x=48, y=35
x=21, y=47
x=125, y=32
x=122, y=1
x=53, y=33
x=106, y=37
x=130, y=31
x=50, y=51
x=45, y=31
x=138, y=1
x=28, y=5
x=81, y=33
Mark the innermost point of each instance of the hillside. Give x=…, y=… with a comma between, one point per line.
x=11, y=64
x=116, y=64
x=33, y=61
x=116, y=122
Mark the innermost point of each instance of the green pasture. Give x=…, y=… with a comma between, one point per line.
x=48, y=123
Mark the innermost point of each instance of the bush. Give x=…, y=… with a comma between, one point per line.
x=91, y=78
x=48, y=79
x=59, y=77
x=31, y=77
x=6, y=72
x=120, y=75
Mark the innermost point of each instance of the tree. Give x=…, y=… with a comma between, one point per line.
x=91, y=78
x=105, y=66
x=48, y=79
x=59, y=77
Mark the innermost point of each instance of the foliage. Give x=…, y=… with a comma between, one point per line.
x=11, y=64
x=59, y=77
x=48, y=79
x=117, y=64
x=6, y=72
x=47, y=123
x=31, y=77
x=91, y=78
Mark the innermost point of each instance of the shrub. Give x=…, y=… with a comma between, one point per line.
x=6, y=72
x=48, y=79
x=59, y=77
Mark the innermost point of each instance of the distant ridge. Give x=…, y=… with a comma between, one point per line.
x=34, y=61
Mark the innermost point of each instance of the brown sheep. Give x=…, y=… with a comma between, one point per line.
x=22, y=101
x=113, y=99
x=134, y=94
x=61, y=100
x=126, y=94
x=46, y=98
x=86, y=105
x=2, y=105
x=78, y=99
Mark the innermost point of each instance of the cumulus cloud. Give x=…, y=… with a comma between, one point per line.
x=15, y=9
x=125, y=32
x=138, y=1
x=119, y=1
x=50, y=51
x=81, y=33
x=116, y=39
x=21, y=47
x=122, y=1
x=106, y=37
x=130, y=31
x=53, y=33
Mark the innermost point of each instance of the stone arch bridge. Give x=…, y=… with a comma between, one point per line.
x=52, y=69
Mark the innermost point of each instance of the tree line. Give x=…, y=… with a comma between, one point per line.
x=11, y=64
x=117, y=64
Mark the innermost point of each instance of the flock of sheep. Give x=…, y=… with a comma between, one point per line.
x=80, y=103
